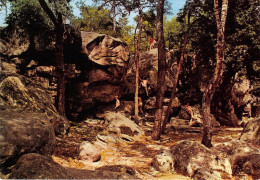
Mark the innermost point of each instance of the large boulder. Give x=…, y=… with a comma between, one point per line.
x=103, y=67
x=193, y=159
x=95, y=67
x=104, y=50
x=251, y=132
x=10, y=67
x=24, y=132
x=126, y=107
x=150, y=105
x=234, y=148
x=120, y=124
x=241, y=97
x=20, y=93
x=35, y=166
x=148, y=69
x=249, y=164
x=242, y=156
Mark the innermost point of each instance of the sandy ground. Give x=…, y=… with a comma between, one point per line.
x=137, y=154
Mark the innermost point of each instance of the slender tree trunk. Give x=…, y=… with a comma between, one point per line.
x=137, y=62
x=214, y=83
x=175, y=83
x=59, y=30
x=161, y=73
x=60, y=69
x=114, y=15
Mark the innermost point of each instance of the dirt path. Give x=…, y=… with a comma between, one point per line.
x=137, y=154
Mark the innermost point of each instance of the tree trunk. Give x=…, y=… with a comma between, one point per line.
x=214, y=83
x=114, y=15
x=137, y=62
x=176, y=77
x=59, y=30
x=60, y=66
x=167, y=114
x=161, y=73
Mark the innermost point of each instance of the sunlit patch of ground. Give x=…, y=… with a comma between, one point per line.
x=226, y=134
x=137, y=154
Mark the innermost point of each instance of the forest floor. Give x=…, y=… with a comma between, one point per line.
x=137, y=154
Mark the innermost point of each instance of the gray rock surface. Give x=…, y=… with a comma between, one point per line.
x=120, y=124
x=148, y=70
x=20, y=93
x=251, y=132
x=24, y=132
x=193, y=159
x=241, y=96
x=163, y=161
x=243, y=156
x=249, y=164
x=234, y=148
x=104, y=50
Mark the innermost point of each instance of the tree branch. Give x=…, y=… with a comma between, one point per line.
x=48, y=12
x=224, y=14
x=216, y=9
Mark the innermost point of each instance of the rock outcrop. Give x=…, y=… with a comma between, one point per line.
x=24, y=132
x=103, y=68
x=35, y=166
x=104, y=50
x=95, y=68
x=251, y=132
x=120, y=124
x=242, y=156
x=249, y=164
x=148, y=70
x=20, y=93
x=193, y=159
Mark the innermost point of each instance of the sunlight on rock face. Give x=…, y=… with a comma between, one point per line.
x=88, y=152
x=121, y=124
x=163, y=161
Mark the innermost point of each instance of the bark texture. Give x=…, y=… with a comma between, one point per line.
x=215, y=81
x=137, y=60
x=60, y=68
x=114, y=15
x=176, y=79
x=59, y=30
x=161, y=73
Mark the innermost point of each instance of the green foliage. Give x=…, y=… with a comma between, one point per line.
x=97, y=19
x=149, y=28
x=121, y=7
x=94, y=19
x=241, y=29
x=172, y=31
x=126, y=33
x=28, y=16
x=242, y=49
x=243, y=43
